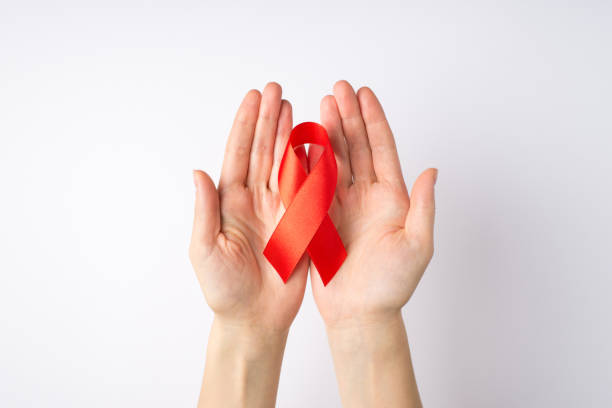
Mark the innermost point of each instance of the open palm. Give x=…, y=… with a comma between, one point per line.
x=388, y=236
x=232, y=223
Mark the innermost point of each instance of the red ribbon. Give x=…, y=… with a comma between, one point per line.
x=307, y=194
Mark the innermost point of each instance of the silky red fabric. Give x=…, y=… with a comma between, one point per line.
x=307, y=194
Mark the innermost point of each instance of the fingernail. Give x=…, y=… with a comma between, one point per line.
x=435, y=176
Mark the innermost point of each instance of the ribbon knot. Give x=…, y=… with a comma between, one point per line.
x=307, y=194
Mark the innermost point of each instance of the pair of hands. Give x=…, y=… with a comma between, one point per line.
x=387, y=235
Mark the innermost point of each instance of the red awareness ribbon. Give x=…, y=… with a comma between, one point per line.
x=307, y=194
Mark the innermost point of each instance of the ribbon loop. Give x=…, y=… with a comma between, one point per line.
x=307, y=194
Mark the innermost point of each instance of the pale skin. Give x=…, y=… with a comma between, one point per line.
x=387, y=234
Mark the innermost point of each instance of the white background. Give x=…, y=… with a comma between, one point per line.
x=106, y=108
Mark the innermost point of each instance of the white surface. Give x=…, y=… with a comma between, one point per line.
x=105, y=110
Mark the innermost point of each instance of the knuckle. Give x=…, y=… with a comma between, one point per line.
x=266, y=114
x=380, y=147
x=262, y=148
x=239, y=150
x=359, y=147
x=423, y=247
x=243, y=119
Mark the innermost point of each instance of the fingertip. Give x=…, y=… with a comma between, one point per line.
x=342, y=86
x=250, y=106
x=348, y=105
x=435, y=175
x=252, y=97
x=285, y=119
x=197, y=179
x=421, y=215
x=273, y=88
x=431, y=174
x=326, y=100
x=273, y=84
x=269, y=110
x=206, y=223
x=329, y=108
x=423, y=189
x=365, y=91
x=367, y=97
x=370, y=105
x=286, y=106
x=202, y=180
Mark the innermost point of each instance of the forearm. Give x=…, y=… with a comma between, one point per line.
x=373, y=364
x=242, y=366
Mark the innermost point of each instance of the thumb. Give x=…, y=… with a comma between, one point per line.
x=420, y=218
x=206, y=220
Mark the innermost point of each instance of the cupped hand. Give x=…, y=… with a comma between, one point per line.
x=233, y=222
x=388, y=236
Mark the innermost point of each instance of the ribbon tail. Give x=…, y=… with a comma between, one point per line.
x=326, y=250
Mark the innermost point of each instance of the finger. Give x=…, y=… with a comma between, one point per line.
x=285, y=124
x=206, y=220
x=238, y=149
x=355, y=133
x=262, y=151
x=331, y=121
x=420, y=218
x=384, y=153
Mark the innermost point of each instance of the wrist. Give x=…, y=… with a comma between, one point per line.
x=362, y=320
x=243, y=363
x=372, y=362
x=246, y=338
x=367, y=332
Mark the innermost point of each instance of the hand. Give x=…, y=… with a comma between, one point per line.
x=253, y=306
x=232, y=224
x=388, y=237
x=389, y=242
